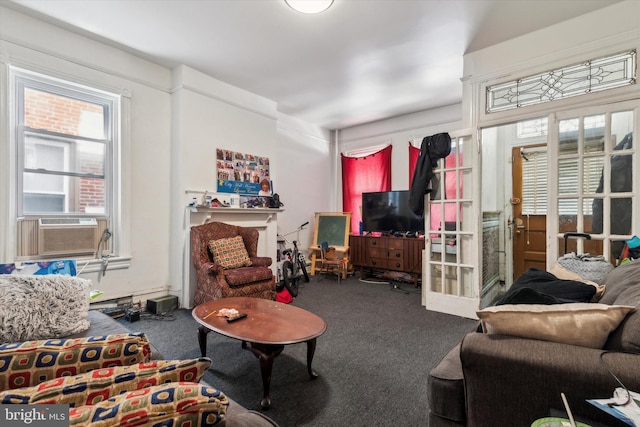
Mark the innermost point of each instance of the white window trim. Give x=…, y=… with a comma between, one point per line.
x=120, y=220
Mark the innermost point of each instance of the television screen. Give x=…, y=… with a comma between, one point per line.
x=389, y=211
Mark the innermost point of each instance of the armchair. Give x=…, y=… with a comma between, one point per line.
x=214, y=281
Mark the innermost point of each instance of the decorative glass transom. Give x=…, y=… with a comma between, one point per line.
x=590, y=76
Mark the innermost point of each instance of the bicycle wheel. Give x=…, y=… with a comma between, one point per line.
x=290, y=282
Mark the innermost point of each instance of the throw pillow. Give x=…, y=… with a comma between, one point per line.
x=30, y=363
x=41, y=307
x=581, y=324
x=230, y=252
x=174, y=404
x=101, y=384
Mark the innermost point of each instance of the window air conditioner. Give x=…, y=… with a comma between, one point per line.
x=58, y=236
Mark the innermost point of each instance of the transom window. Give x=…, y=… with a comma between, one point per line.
x=590, y=76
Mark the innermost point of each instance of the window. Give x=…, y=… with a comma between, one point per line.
x=578, y=79
x=66, y=136
x=534, y=181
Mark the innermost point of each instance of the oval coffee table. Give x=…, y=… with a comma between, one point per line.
x=268, y=327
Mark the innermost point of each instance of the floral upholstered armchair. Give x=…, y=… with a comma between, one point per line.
x=227, y=265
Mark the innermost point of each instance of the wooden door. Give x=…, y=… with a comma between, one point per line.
x=528, y=229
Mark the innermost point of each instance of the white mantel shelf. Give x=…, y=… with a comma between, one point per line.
x=265, y=220
x=208, y=214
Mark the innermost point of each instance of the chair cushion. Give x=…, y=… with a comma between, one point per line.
x=32, y=362
x=101, y=384
x=446, y=388
x=173, y=404
x=230, y=252
x=246, y=275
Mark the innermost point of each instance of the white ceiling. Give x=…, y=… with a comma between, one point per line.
x=360, y=61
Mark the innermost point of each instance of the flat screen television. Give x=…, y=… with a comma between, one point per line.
x=388, y=211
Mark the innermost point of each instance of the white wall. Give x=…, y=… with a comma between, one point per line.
x=306, y=178
x=614, y=29
x=29, y=43
x=398, y=131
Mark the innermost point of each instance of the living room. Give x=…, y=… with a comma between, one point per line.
x=172, y=137
x=177, y=118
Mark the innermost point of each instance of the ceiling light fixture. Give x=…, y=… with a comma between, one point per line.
x=309, y=6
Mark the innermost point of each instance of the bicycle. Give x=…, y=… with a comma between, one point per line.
x=294, y=265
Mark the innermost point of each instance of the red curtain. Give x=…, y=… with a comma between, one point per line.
x=414, y=153
x=363, y=175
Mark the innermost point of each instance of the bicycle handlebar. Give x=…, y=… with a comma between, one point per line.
x=306, y=223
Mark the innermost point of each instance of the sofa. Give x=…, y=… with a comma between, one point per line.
x=100, y=365
x=509, y=373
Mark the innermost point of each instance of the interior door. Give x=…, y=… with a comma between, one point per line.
x=451, y=279
x=528, y=200
x=593, y=179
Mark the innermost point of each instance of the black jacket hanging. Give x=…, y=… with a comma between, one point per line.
x=433, y=148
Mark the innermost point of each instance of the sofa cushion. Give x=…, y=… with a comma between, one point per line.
x=173, y=404
x=620, y=278
x=581, y=324
x=42, y=307
x=626, y=337
x=230, y=252
x=30, y=363
x=446, y=388
x=101, y=384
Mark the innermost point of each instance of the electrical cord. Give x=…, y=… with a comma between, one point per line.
x=628, y=398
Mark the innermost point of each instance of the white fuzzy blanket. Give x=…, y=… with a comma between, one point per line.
x=42, y=307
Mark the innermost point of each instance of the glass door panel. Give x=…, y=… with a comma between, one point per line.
x=595, y=186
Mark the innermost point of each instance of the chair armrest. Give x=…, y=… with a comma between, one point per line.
x=261, y=261
x=212, y=268
x=520, y=380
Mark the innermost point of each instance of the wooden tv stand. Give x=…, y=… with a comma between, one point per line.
x=391, y=253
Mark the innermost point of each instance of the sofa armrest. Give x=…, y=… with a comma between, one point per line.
x=261, y=261
x=519, y=380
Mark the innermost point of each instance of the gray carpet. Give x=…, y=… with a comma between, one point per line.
x=373, y=360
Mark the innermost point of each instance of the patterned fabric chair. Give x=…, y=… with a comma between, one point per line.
x=214, y=281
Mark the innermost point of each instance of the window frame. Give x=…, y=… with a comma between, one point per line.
x=111, y=102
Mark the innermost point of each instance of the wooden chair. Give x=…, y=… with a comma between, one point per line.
x=214, y=281
x=331, y=262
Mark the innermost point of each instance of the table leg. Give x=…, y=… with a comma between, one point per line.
x=202, y=339
x=311, y=349
x=265, y=355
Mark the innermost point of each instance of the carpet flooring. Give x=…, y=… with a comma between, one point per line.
x=373, y=360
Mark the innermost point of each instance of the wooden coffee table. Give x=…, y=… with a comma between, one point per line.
x=268, y=327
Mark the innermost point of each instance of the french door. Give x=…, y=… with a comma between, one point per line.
x=451, y=279
x=592, y=179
